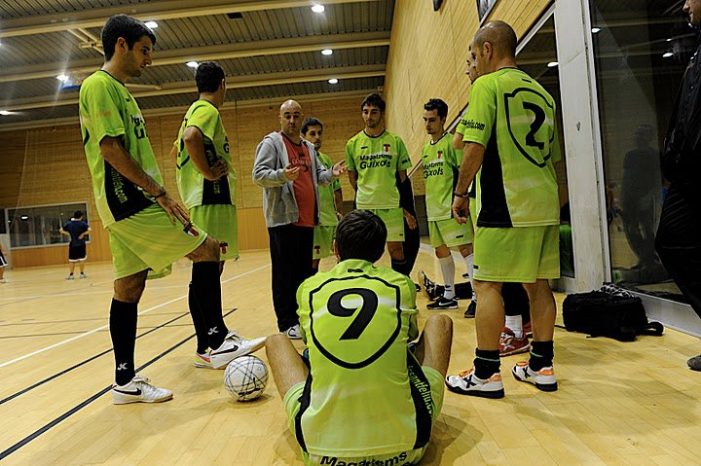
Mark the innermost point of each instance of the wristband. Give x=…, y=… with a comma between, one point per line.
x=462, y=196
x=160, y=194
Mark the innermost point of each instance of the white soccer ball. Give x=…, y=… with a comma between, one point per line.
x=245, y=378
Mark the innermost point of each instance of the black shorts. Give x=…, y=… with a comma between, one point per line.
x=77, y=253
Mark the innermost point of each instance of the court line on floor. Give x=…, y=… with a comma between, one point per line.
x=91, y=332
x=39, y=335
x=83, y=404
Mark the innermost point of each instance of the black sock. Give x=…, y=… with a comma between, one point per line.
x=123, y=333
x=198, y=321
x=541, y=355
x=486, y=363
x=207, y=288
x=401, y=266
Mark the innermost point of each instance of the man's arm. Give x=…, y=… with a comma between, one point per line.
x=85, y=233
x=194, y=143
x=457, y=141
x=264, y=173
x=353, y=178
x=338, y=202
x=114, y=153
x=473, y=155
x=63, y=232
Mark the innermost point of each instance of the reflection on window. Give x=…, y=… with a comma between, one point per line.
x=39, y=226
x=641, y=50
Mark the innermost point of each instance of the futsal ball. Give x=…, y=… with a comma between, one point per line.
x=245, y=378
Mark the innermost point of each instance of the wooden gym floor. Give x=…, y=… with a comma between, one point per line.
x=619, y=403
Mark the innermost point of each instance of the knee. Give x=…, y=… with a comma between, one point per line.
x=465, y=250
x=442, y=323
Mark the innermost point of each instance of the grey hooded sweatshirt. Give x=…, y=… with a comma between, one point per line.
x=279, y=203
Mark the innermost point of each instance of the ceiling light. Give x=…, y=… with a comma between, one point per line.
x=151, y=24
x=192, y=64
x=552, y=64
x=333, y=81
x=62, y=77
x=327, y=52
x=6, y=112
x=595, y=30
x=318, y=8
x=669, y=40
x=24, y=217
x=668, y=55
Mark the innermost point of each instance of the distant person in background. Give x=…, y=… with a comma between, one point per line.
x=640, y=189
x=3, y=264
x=678, y=239
x=77, y=229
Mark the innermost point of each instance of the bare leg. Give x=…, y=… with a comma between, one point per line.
x=81, y=264
x=285, y=363
x=71, y=267
x=129, y=289
x=543, y=310
x=433, y=348
x=395, y=250
x=490, y=315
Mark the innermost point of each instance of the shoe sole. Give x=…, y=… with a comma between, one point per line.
x=516, y=351
x=493, y=395
x=127, y=402
x=441, y=308
x=545, y=387
x=248, y=351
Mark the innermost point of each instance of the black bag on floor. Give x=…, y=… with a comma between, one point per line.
x=604, y=315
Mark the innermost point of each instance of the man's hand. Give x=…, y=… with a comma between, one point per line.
x=339, y=168
x=175, y=212
x=291, y=173
x=410, y=220
x=218, y=170
x=461, y=206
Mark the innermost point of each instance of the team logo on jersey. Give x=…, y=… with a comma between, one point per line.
x=440, y=154
x=355, y=319
x=529, y=118
x=386, y=147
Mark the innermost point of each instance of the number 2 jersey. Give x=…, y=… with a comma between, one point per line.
x=108, y=109
x=513, y=117
x=365, y=394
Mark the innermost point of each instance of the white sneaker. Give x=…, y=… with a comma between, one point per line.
x=543, y=379
x=294, y=332
x=82, y=275
x=139, y=390
x=466, y=383
x=70, y=277
x=202, y=361
x=233, y=347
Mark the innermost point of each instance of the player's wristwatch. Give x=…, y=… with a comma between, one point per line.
x=460, y=195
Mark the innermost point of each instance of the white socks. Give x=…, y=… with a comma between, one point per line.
x=448, y=269
x=515, y=324
x=470, y=261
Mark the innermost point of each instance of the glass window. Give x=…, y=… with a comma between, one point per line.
x=641, y=49
x=39, y=226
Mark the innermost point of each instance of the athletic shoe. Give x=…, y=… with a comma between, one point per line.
x=695, y=363
x=418, y=287
x=466, y=383
x=509, y=344
x=2, y=280
x=70, y=277
x=233, y=347
x=543, y=379
x=82, y=275
x=471, y=310
x=202, y=361
x=427, y=284
x=294, y=332
x=139, y=390
x=442, y=303
x=528, y=330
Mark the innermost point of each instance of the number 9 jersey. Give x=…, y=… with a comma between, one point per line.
x=513, y=117
x=361, y=397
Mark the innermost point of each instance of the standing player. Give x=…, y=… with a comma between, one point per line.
x=366, y=397
x=330, y=197
x=512, y=141
x=374, y=157
x=441, y=163
x=77, y=229
x=148, y=230
x=207, y=185
x=3, y=264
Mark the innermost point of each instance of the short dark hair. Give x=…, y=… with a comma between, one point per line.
x=374, y=100
x=311, y=121
x=77, y=214
x=131, y=29
x=361, y=235
x=209, y=76
x=437, y=104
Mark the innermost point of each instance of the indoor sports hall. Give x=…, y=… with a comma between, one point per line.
x=613, y=69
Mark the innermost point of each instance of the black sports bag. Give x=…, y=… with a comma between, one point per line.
x=602, y=314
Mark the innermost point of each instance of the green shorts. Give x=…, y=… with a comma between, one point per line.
x=292, y=407
x=147, y=240
x=449, y=232
x=323, y=241
x=220, y=222
x=519, y=255
x=394, y=222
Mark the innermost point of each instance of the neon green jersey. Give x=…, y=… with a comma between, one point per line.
x=107, y=109
x=462, y=124
x=327, y=204
x=513, y=117
x=377, y=161
x=441, y=164
x=357, y=320
x=194, y=188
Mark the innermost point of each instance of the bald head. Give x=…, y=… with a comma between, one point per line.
x=291, y=119
x=500, y=35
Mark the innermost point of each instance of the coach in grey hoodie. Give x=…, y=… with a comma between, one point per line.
x=287, y=168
